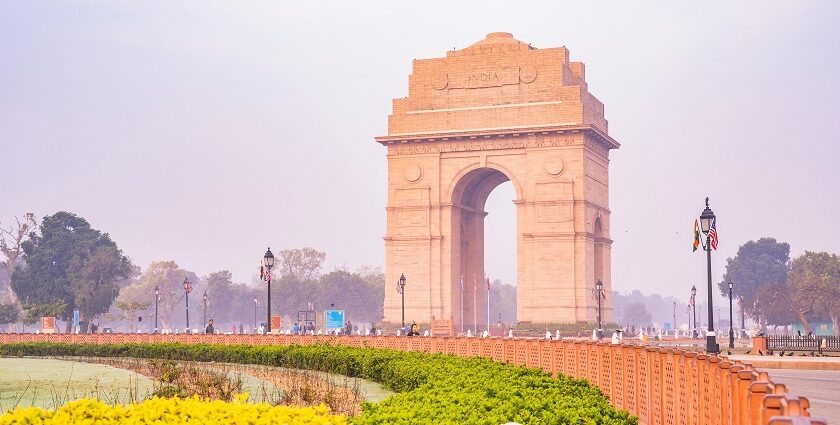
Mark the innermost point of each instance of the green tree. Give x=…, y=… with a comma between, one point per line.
x=71, y=263
x=9, y=313
x=636, y=314
x=502, y=302
x=758, y=268
x=812, y=287
x=11, y=246
x=829, y=302
x=304, y=263
x=169, y=278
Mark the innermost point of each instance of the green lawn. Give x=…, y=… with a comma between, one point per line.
x=50, y=383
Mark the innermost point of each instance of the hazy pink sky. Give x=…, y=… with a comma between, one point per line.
x=205, y=131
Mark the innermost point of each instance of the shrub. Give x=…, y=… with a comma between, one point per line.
x=432, y=388
x=174, y=411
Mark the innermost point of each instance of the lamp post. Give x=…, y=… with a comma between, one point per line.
x=187, y=290
x=599, y=287
x=675, y=319
x=157, y=299
x=204, y=314
x=731, y=331
x=707, y=225
x=402, y=294
x=694, y=311
x=256, y=304
x=268, y=261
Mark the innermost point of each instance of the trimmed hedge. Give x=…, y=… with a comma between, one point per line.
x=432, y=388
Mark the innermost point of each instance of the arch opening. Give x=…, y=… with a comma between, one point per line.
x=472, y=286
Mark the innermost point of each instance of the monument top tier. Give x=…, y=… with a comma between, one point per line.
x=498, y=85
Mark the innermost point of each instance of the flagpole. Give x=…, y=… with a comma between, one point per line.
x=475, y=310
x=488, y=305
x=462, y=302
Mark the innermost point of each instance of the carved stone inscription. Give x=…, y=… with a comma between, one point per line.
x=481, y=78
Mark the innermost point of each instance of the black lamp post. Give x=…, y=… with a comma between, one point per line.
x=694, y=311
x=402, y=294
x=599, y=287
x=731, y=331
x=157, y=299
x=204, y=314
x=268, y=261
x=187, y=290
x=707, y=219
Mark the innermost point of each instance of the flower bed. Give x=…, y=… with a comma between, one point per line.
x=432, y=388
x=173, y=410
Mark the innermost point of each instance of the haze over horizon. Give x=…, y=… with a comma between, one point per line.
x=205, y=134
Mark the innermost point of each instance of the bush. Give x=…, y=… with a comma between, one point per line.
x=174, y=411
x=432, y=388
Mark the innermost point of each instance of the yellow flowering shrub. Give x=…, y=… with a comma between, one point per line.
x=173, y=411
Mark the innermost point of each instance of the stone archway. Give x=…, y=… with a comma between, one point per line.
x=498, y=110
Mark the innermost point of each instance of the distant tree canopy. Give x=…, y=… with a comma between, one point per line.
x=70, y=263
x=775, y=290
x=758, y=269
x=636, y=314
x=168, y=277
x=302, y=264
x=9, y=313
x=231, y=302
x=11, y=246
x=360, y=294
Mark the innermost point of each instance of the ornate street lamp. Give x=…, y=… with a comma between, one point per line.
x=707, y=224
x=268, y=262
x=731, y=331
x=187, y=290
x=157, y=299
x=599, y=288
x=204, y=314
x=401, y=283
x=694, y=311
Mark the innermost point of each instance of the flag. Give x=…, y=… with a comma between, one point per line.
x=488, y=283
x=462, y=283
x=691, y=301
x=696, y=236
x=713, y=238
x=604, y=294
x=399, y=288
x=262, y=273
x=256, y=302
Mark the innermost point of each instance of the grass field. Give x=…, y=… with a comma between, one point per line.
x=50, y=383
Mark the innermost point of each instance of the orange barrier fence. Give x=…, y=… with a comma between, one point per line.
x=660, y=386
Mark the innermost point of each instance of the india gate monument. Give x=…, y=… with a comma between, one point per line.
x=499, y=110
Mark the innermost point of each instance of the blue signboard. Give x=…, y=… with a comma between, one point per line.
x=334, y=319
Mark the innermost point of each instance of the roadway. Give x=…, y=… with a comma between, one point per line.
x=821, y=387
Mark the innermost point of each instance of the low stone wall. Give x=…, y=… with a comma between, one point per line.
x=660, y=386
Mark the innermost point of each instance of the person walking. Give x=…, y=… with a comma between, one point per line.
x=296, y=329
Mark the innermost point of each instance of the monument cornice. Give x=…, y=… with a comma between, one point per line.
x=396, y=139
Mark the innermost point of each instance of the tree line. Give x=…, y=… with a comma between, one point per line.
x=772, y=289
x=63, y=264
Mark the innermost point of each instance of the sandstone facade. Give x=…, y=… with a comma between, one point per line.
x=499, y=110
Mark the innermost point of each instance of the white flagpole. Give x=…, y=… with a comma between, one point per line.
x=475, y=310
x=462, y=302
x=488, y=304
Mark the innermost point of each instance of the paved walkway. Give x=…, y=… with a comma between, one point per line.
x=821, y=387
